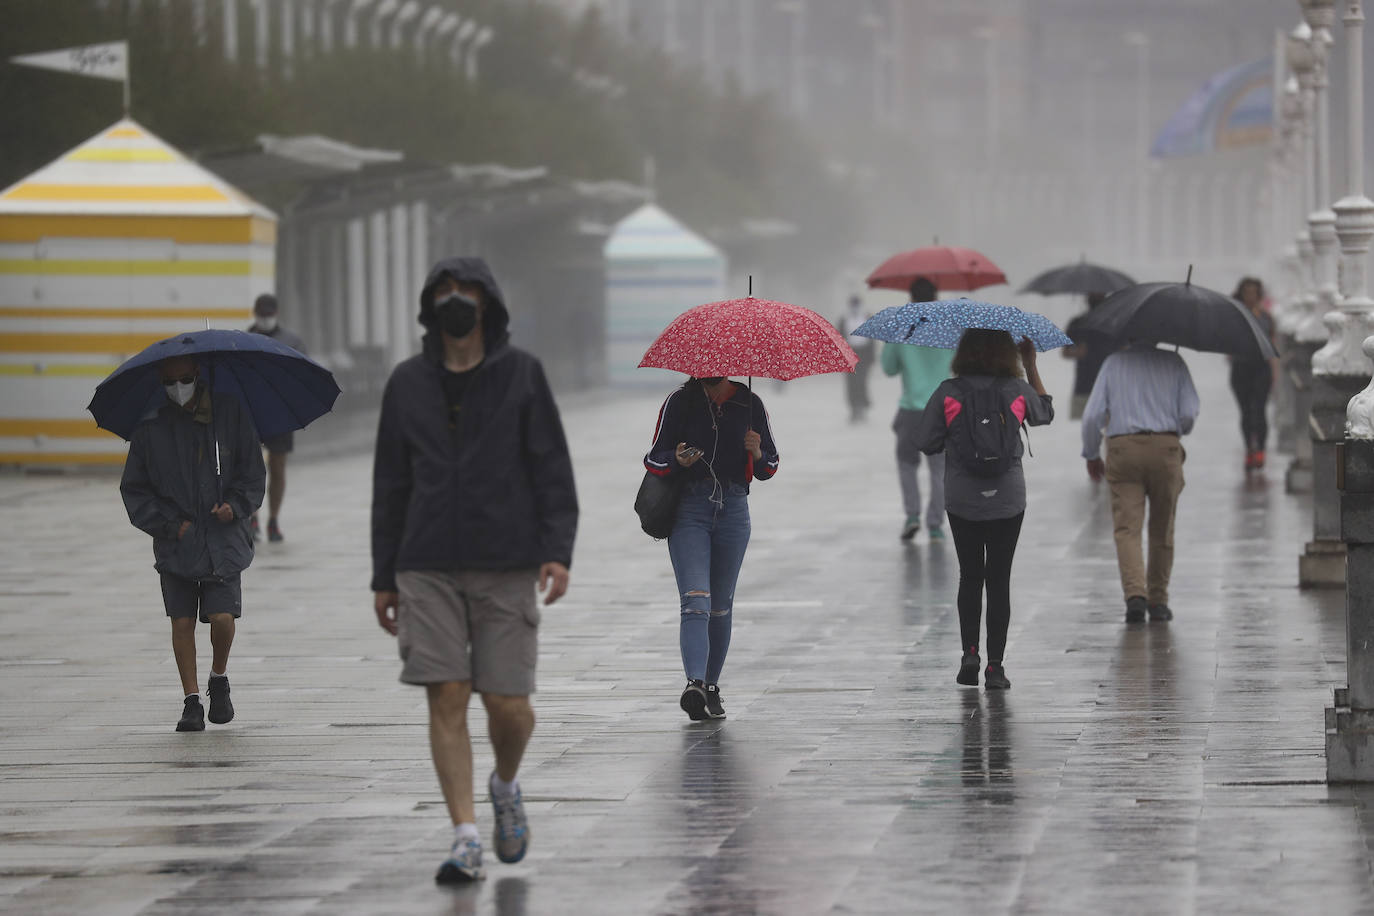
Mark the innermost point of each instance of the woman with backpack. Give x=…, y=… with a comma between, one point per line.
x=976, y=418
x=714, y=434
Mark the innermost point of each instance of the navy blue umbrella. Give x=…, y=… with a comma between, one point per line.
x=942, y=323
x=282, y=389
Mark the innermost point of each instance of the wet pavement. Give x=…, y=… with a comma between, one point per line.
x=1161, y=768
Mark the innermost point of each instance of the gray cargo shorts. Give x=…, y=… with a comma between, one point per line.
x=473, y=625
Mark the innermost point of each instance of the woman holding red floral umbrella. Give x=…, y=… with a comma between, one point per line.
x=714, y=434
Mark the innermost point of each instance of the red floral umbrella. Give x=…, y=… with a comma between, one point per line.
x=754, y=337
x=947, y=267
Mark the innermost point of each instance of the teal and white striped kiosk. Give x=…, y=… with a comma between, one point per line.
x=656, y=269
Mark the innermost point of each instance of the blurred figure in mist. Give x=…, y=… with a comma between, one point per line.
x=265, y=322
x=922, y=370
x=856, y=382
x=1252, y=380
x=1088, y=352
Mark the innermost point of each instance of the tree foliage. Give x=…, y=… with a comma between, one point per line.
x=567, y=95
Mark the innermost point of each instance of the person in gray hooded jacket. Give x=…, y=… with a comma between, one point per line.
x=198, y=520
x=473, y=503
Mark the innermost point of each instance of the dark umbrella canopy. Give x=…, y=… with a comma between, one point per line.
x=282, y=389
x=1081, y=278
x=1183, y=314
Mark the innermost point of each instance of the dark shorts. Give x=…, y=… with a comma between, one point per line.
x=189, y=597
x=280, y=445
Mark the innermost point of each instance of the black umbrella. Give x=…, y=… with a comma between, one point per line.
x=1183, y=314
x=1081, y=278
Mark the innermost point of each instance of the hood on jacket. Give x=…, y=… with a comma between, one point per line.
x=474, y=272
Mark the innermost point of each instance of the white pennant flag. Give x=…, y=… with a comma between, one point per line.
x=109, y=61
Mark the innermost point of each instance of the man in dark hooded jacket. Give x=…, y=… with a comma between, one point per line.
x=198, y=518
x=473, y=503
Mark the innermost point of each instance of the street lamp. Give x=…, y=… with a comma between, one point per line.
x=408, y=11
x=384, y=9
x=483, y=38
x=1320, y=15
x=351, y=22
x=797, y=10
x=878, y=27
x=460, y=38
x=426, y=29
x=1141, y=42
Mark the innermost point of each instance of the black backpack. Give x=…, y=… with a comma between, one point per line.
x=983, y=438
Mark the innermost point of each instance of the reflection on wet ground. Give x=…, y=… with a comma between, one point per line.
x=1131, y=769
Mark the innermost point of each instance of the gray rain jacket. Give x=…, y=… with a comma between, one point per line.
x=169, y=477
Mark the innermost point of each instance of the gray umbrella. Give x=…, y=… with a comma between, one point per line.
x=1183, y=314
x=1082, y=278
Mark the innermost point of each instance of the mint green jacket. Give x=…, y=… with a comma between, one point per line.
x=922, y=370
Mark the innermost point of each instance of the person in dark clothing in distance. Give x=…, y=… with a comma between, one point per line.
x=198, y=519
x=856, y=382
x=473, y=508
x=1088, y=352
x=266, y=322
x=714, y=433
x=1252, y=380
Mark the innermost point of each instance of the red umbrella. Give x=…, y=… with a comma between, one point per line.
x=946, y=266
x=754, y=337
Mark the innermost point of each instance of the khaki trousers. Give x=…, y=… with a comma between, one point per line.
x=1143, y=469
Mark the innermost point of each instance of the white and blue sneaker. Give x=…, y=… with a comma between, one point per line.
x=464, y=863
x=512, y=836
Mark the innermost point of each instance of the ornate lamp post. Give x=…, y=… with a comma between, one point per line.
x=1322, y=564
x=1297, y=355
x=1350, y=722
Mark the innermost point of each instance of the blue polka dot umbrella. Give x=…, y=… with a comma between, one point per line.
x=942, y=323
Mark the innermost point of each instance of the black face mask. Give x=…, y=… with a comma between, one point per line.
x=457, y=314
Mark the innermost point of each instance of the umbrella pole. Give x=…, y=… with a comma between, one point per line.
x=219, y=476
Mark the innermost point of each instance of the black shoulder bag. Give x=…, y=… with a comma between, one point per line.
x=656, y=503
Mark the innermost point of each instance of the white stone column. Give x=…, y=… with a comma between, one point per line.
x=1321, y=221
x=1351, y=323
x=401, y=307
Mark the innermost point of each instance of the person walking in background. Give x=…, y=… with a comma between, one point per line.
x=975, y=418
x=856, y=382
x=713, y=433
x=922, y=370
x=1143, y=401
x=473, y=505
x=197, y=515
x=265, y=321
x=1252, y=380
x=1088, y=352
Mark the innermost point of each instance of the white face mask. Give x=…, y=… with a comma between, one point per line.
x=180, y=394
x=267, y=323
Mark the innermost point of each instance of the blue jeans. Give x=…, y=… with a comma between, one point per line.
x=707, y=547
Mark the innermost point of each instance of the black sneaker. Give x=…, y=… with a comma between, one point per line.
x=968, y=669
x=1135, y=609
x=192, y=716
x=910, y=527
x=273, y=531
x=1161, y=612
x=693, y=701
x=221, y=710
x=713, y=707
x=995, y=678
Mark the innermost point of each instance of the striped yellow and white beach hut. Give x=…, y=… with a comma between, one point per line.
x=118, y=243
